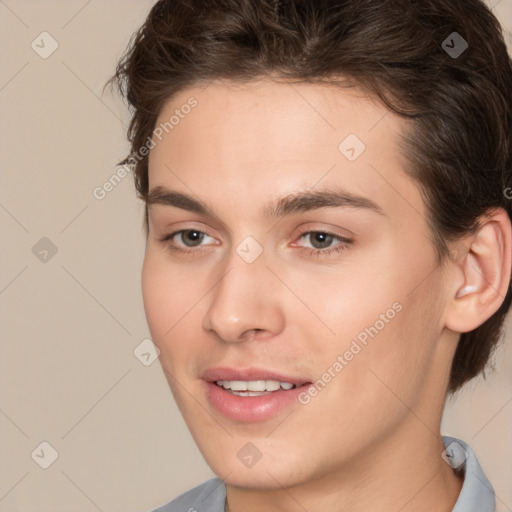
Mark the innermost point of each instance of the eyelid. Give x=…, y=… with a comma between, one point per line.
x=171, y=230
x=337, y=236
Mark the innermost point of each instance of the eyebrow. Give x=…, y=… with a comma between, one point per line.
x=293, y=203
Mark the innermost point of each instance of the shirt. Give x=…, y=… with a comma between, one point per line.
x=476, y=495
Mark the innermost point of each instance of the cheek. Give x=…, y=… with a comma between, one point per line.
x=397, y=356
x=154, y=286
x=384, y=334
x=342, y=304
x=173, y=312
x=168, y=296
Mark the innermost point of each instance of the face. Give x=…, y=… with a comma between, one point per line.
x=287, y=248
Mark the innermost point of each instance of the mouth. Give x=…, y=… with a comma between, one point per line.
x=251, y=395
x=254, y=387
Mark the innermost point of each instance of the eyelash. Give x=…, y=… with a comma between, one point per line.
x=345, y=242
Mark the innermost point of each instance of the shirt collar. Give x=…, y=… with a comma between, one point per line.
x=477, y=493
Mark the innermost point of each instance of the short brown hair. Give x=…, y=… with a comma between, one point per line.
x=410, y=54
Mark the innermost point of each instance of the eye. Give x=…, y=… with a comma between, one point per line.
x=321, y=242
x=185, y=239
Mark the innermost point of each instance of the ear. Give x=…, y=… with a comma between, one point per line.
x=481, y=273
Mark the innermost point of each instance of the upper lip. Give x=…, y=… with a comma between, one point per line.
x=251, y=373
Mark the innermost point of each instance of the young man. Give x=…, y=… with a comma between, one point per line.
x=328, y=241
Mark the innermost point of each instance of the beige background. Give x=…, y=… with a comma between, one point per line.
x=68, y=374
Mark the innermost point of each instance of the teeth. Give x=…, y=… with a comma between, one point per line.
x=235, y=385
x=250, y=393
x=272, y=385
x=253, y=387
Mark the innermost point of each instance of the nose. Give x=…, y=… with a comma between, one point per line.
x=245, y=303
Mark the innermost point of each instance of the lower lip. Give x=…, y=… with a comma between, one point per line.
x=251, y=408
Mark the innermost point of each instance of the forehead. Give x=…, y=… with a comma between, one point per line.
x=263, y=138
x=278, y=116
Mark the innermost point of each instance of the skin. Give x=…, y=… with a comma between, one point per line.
x=370, y=440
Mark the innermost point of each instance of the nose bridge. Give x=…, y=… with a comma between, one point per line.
x=242, y=300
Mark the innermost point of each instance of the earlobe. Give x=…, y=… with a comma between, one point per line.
x=486, y=269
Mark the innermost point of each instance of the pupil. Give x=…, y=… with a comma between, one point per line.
x=321, y=240
x=194, y=237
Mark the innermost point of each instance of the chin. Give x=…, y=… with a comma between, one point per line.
x=263, y=475
x=259, y=480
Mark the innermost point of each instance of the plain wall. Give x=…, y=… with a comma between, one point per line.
x=70, y=324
